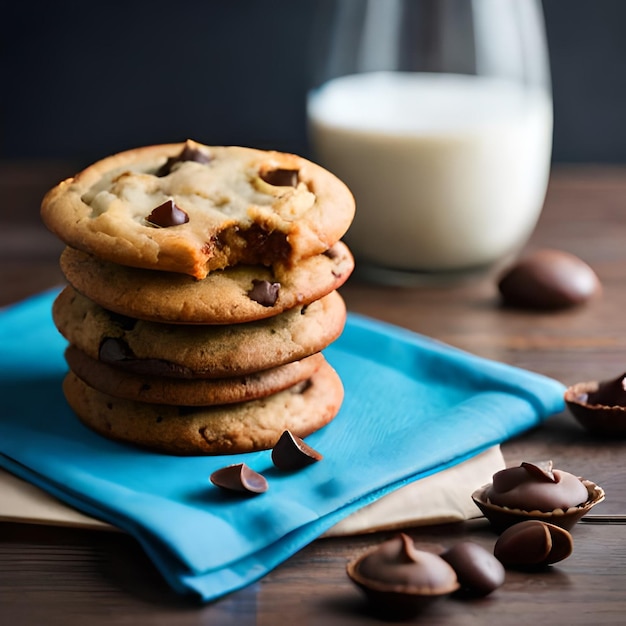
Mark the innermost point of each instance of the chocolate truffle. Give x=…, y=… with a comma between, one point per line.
x=531, y=487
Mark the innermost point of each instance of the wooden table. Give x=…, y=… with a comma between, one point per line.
x=61, y=576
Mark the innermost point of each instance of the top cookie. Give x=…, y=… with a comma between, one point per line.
x=191, y=208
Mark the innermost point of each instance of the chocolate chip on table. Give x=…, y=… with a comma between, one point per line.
x=478, y=570
x=189, y=153
x=167, y=214
x=239, y=477
x=548, y=280
x=281, y=177
x=292, y=453
x=264, y=292
x=533, y=544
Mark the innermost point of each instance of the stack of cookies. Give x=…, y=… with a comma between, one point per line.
x=201, y=293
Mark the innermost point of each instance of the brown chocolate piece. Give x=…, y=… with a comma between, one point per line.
x=609, y=393
x=264, y=292
x=548, y=280
x=399, y=579
x=478, y=571
x=533, y=544
x=519, y=488
x=281, y=177
x=115, y=351
x=239, y=477
x=167, y=214
x=189, y=153
x=292, y=453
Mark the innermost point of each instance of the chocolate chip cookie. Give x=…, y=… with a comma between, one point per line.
x=234, y=428
x=119, y=382
x=191, y=208
x=236, y=294
x=198, y=351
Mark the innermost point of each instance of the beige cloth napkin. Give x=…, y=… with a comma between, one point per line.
x=442, y=497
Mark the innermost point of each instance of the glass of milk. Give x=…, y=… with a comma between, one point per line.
x=438, y=115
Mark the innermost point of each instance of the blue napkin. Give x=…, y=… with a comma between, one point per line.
x=413, y=406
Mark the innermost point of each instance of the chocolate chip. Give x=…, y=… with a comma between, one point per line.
x=609, y=393
x=548, y=279
x=239, y=477
x=167, y=214
x=281, y=177
x=543, y=471
x=264, y=292
x=478, y=571
x=292, y=453
x=123, y=321
x=113, y=350
x=533, y=543
x=189, y=153
x=331, y=253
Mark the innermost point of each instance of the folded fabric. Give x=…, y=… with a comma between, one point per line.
x=413, y=407
x=436, y=499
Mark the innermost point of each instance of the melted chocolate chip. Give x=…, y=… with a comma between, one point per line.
x=167, y=214
x=302, y=386
x=239, y=477
x=113, y=350
x=281, y=177
x=264, y=292
x=116, y=351
x=292, y=453
x=189, y=153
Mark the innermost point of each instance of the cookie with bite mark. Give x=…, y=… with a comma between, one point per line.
x=230, y=296
x=190, y=208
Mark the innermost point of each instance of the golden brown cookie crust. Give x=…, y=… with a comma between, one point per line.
x=235, y=428
x=220, y=298
x=202, y=351
x=188, y=392
x=234, y=215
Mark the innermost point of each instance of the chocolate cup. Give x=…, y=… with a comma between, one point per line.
x=598, y=419
x=392, y=599
x=502, y=517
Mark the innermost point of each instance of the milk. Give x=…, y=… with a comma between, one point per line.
x=449, y=172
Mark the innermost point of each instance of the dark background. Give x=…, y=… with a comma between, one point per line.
x=80, y=80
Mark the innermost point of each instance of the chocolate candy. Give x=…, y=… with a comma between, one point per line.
x=599, y=406
x=167, y=214
x=239, y=477
x=264, y=292
x=400, y=579
x=281, y=177
x=548, y=280
x=530, y=487
x=533, y=544
x=479, y=572
x=292, y=453
x=189, y=153
x=609, y=393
